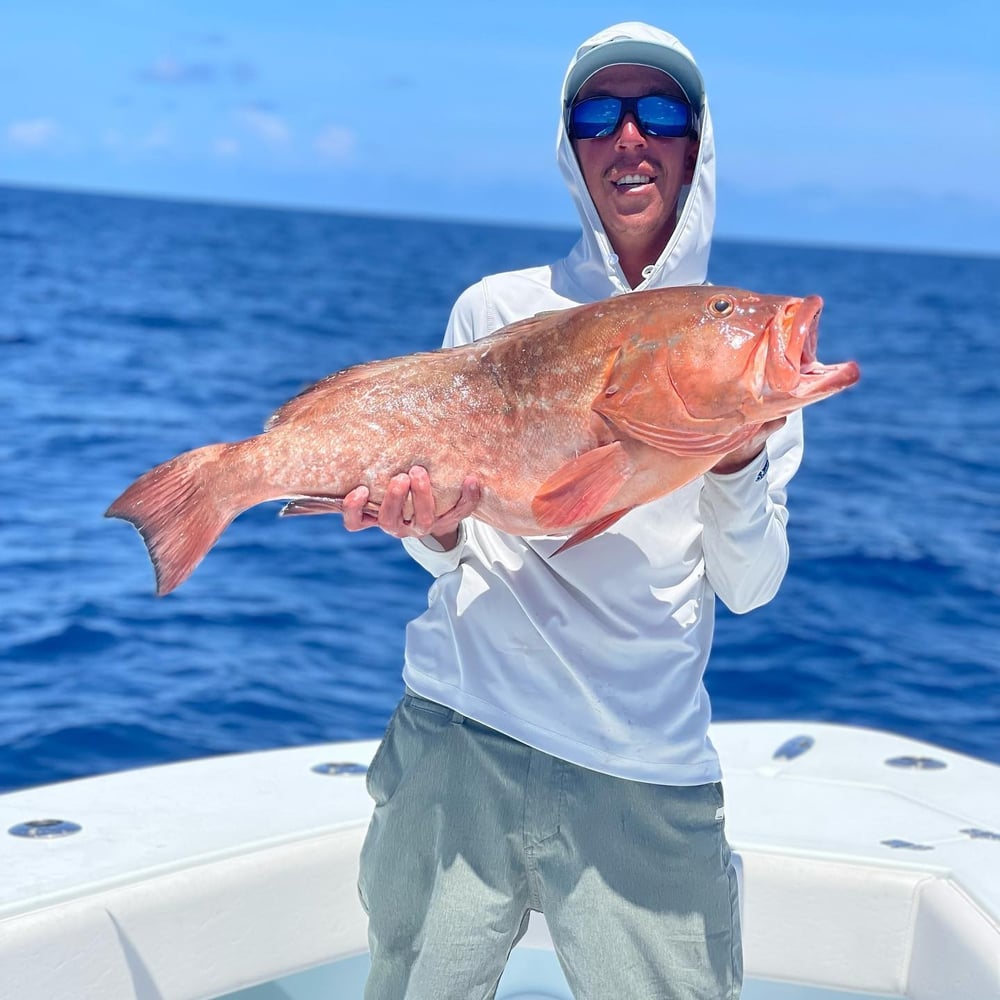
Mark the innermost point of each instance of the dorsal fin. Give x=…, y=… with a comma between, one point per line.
x=521, y=328
x=316, y=393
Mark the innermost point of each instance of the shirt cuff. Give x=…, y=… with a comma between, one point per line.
x=435, y=559
x=744, y=487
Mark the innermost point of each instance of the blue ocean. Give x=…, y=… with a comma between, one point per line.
x=131, y=330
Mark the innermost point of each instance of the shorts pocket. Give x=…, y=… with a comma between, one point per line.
x=374, y=779
x=427, y=707
x=720, y=798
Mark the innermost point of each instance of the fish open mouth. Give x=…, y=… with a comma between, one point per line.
x=806, y=323
x=816, y=379
x=791, y=342
x=792, y=363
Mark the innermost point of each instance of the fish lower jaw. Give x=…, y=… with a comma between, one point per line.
x=814, y=369
x=817, y=380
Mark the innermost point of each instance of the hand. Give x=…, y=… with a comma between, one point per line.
x=741, y=457
x=411, y=492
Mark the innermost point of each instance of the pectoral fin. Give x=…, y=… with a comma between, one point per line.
x=581, y=488
x=592, y=529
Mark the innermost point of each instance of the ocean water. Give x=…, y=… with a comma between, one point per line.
x=131, y=330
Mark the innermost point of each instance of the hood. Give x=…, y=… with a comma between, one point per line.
x=591, y=270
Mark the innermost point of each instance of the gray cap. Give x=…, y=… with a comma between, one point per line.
x=632, y=51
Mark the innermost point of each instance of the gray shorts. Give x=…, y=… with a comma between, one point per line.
x=472, y=830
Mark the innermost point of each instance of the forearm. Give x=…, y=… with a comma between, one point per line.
x=744, y=541
x=446, y=541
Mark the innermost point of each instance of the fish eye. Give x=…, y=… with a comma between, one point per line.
x=721, y=306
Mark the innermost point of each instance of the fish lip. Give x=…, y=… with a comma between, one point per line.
x=805, y=332
x=812, y=380
x=791, y=342
x=820, y=380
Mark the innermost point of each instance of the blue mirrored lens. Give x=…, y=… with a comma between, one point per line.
x=656, y=114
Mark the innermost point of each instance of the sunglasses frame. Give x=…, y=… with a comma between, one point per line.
x=631, y=105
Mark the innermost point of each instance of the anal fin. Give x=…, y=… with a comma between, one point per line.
x=320, y=505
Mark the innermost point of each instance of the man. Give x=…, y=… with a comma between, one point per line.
x=551, y=752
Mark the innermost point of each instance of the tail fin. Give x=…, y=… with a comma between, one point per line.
x=180, y=510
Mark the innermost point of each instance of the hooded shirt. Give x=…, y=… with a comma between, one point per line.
x=598, y=656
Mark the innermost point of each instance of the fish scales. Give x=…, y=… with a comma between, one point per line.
x=568, y=420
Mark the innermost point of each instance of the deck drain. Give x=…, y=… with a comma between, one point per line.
x=339, y=768
x=43, y=829
x=906, y=845
x=917, y=763
x=793, y=748
x=976, y=834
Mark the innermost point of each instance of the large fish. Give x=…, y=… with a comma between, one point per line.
x=569, y=420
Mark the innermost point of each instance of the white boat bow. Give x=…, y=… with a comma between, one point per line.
x=870, y=863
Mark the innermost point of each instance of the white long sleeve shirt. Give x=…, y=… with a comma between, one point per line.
x=598, y=655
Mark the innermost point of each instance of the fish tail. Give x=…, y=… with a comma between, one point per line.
x=180, y=508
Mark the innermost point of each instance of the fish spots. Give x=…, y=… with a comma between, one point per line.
x=736, y=338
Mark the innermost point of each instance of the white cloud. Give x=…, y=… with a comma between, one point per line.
x=225, y=148
x=170, y=70
x=265, y=125
x=32, y=133
x=167, y=69
x=158, y=137
x=335, y=143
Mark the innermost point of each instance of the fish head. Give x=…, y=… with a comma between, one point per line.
x=705, y=366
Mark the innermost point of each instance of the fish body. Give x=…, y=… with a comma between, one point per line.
x=568, y=420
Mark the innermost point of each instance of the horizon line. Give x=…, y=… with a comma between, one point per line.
x=273, y=206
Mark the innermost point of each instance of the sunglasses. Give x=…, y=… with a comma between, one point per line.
x=655, y=114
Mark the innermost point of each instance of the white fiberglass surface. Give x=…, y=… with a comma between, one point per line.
x=531, y=974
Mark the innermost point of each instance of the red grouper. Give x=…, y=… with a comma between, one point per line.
x=568, y=419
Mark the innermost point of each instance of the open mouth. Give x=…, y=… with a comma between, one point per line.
x=822, y=380
x=792, y=366
x=628, y=181
x=800, y=333
x=792, y=341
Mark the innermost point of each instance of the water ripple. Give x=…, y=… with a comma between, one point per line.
x=132, y=330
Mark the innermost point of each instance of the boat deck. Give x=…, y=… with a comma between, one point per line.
x=870, y=863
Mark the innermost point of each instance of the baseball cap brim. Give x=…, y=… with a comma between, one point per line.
x=631, y=51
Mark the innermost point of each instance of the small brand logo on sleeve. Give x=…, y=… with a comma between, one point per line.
x=763, y=471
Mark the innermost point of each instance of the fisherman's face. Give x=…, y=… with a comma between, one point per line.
x=642, y=209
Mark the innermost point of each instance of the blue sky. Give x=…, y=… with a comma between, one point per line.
x=863, y=124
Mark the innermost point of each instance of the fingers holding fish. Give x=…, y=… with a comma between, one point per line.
x=399, y=514
x=407, y=510
x=359, y=513
x=468, y=501
x=392, y=514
